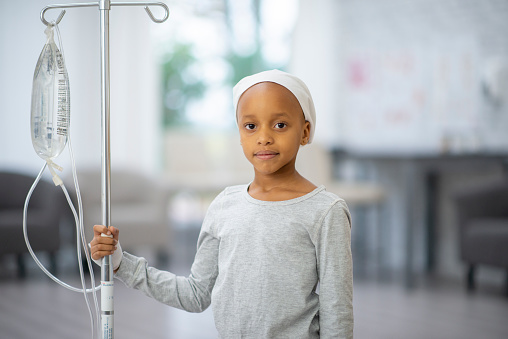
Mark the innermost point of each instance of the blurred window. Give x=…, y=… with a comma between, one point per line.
x=208, y=45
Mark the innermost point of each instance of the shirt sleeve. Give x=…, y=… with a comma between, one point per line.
x=336, y=274
x=192, y=293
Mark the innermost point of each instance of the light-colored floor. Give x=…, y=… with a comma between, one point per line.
x=42, y=309
x=36, y=307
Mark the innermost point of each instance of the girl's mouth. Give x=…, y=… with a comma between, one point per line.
x=265, y=155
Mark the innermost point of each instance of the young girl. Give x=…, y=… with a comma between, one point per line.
x=263, y=247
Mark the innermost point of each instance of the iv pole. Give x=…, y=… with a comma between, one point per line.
x=107, y=307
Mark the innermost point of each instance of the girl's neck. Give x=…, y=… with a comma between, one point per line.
x=280, y=186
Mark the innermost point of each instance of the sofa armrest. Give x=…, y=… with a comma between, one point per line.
x=487, y=201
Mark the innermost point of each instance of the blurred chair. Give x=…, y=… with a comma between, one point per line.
x=483, y=228
x=139, y=208
x=46, y=209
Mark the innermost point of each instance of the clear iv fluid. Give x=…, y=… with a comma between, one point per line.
x=50, y=102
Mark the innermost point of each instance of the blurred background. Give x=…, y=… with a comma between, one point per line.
x=412, y=121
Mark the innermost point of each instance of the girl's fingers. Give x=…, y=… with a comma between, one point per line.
x=101, y=229
x=98, y=229
x=115, y=231
x=101, y=254
x=98, y=240
x=101, y=250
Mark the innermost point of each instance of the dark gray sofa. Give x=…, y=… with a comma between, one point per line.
x=47, y=207
x=483, y=228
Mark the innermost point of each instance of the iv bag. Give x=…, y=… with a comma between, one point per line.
x=50, y=111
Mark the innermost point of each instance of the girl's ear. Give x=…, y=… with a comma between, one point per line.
x=305, y=133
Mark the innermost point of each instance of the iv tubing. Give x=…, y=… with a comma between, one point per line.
x=80, y=210
x=80, y=234
x=83, y=239
x=41, y=266
x=28, y=243
x=80, y=262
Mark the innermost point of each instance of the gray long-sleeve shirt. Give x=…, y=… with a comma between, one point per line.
x=259, y=263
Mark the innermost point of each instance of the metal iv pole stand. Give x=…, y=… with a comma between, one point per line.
x=107, y=305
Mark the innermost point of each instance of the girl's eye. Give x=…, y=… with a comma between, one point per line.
x=250, y=126
x=280, y=125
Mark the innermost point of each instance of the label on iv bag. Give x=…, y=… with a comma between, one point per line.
x=63, y=104
x=62, y=119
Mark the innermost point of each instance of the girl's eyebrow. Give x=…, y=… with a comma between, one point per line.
x=248, y=116
x=281, y=114
x=274, y=115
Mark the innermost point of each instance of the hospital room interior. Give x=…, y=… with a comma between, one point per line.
x=411, y=101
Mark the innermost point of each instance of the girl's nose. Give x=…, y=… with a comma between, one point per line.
x=264, y=137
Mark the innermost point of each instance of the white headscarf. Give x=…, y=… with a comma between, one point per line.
x=289, y=81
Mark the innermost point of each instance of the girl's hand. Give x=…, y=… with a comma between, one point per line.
x=101, y=246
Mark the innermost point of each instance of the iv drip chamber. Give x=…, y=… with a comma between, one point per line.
x=50, y=110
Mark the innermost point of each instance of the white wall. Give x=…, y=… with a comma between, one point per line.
x=135, y=132
x=405, y=76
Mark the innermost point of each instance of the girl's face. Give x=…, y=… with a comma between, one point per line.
x=272, y=127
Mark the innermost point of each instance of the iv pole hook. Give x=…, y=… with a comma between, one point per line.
x=149, y=12
x=57, y=21
x=145, y=4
